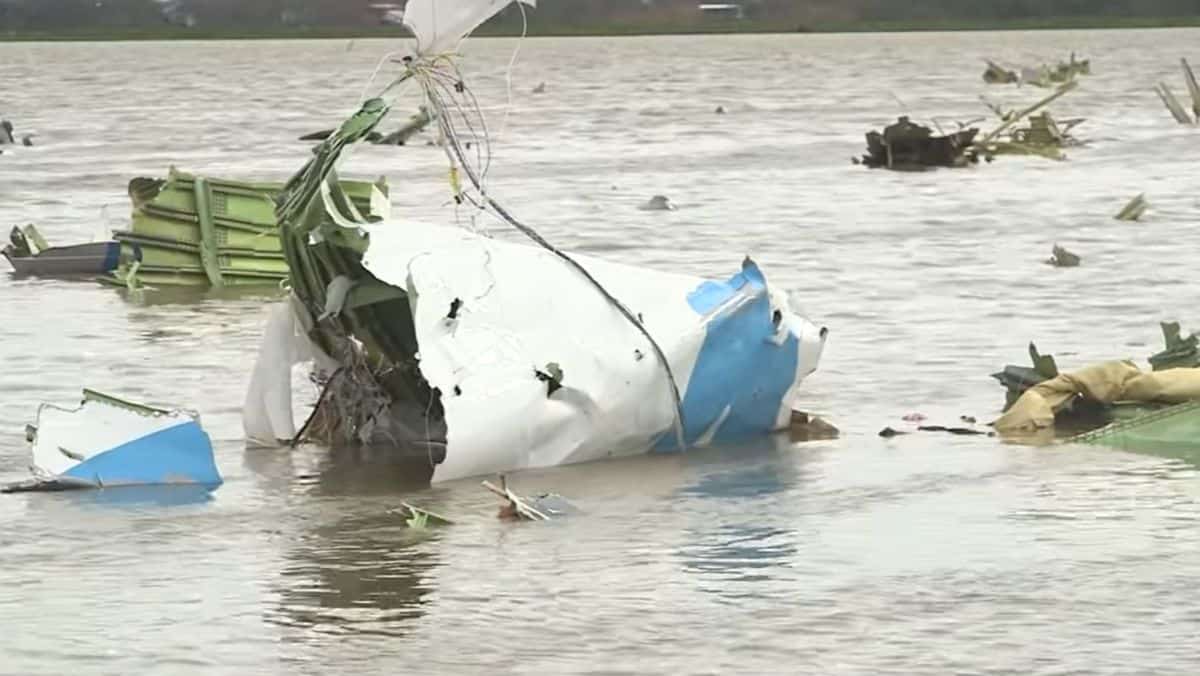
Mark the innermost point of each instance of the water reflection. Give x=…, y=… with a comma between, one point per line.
x=745, y=547
x=133, y=497
x=192, y=295
x=354, y=567
x=359, y=574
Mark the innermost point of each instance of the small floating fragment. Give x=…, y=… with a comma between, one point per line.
x=995, y=74
x=1061, y=258
x=538, y=508
x=1179, y=352
x=30, y=254
x=418, y=518
x=540, y=89
x=806, y=427
x=658, y=203
x=1173, y=105
x=108, y=442
x=1134, y=210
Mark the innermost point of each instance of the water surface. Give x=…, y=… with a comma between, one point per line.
x=921, y=555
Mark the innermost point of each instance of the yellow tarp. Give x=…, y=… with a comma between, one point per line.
x=1107, y=383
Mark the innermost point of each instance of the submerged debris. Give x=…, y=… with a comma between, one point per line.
x=108, y=442
x=9, y=138
x=1062, y=72
x=30, y=254
x=1134, y=210
x=998, y=75
x=1041, y=397
x=538, y=508
x=806, y=427
x=1061, y=258
x=658, y=203
x=1018, y=379
x=907, y=146
x=1043, y=135
x=418, y=518
x=1098, y=387
x=1177, y=110
x=1179, y=352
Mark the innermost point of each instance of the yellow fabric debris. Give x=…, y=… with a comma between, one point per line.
x=1107, y=383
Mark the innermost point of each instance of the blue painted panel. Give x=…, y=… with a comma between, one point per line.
x=739, y=366
x=179, y=455
x=709, y=295
x=112, y=256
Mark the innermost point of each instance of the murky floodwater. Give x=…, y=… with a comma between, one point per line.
x=862, y=556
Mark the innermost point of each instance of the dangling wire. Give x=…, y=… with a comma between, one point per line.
x=456, y=110
x=453, y=103
x=512, y=63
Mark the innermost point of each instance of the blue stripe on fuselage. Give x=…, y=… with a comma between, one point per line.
x=181, y=454
x=739, y=366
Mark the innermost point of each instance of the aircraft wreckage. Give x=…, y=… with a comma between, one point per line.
x=486, y=356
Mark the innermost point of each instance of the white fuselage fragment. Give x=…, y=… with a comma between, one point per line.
x=103, y=445
x=490, y=315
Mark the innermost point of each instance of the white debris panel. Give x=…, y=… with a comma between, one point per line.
x=495, y=320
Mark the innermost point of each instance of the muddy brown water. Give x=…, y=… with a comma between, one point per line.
x=918, y=555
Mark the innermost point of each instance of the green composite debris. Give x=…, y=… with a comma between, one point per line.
x=211, y=232
x=376, y=315
x=1180, y=352
x=1173, y=431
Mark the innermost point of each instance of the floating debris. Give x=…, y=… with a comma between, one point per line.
x=443, y=331
x=1179, y=352
x=418, y=518
x=907, y=146
x=1100, y=386
x=1043, y=136
x=190, y=230
x=538, y=508
x=1134, y=210
x=1173, y=430
x=9, y=138
x=1041, y=398
x=658, y=203
x=1061, y=258
x=720, y=110
x=1062, y=72
x=1177, y=110
x=1018, y=379
x=540, y=89
x=998, y=75
x=955, y=430
x=108, y=442
x=30, y=254
x=806, y=427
